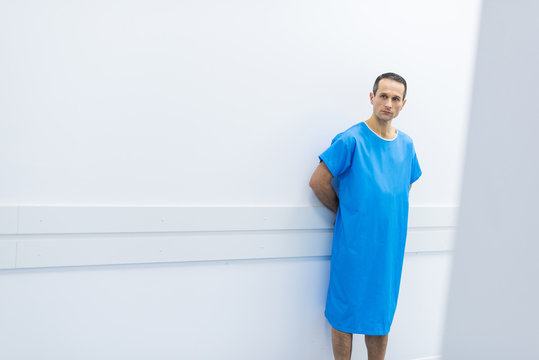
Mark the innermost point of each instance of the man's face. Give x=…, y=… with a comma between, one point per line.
x=388, y=101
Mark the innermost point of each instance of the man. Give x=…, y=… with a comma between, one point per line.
x=365, y=176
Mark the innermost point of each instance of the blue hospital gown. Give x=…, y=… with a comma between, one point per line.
x=372, y=177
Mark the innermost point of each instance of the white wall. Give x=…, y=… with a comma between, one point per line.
x=219, y=310
x=492, y=311
x=219, y=103
x=166, y=107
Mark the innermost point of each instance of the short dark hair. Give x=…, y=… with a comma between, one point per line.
x=391, y=76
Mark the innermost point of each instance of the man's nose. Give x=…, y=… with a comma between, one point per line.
x=388, y=103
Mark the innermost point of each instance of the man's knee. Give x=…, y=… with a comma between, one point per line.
x=341, y=337
x=342, y=344
x=376, y=340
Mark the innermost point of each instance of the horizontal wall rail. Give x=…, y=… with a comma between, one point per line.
x=48, y=236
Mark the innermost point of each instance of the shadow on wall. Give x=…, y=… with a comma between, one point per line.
x=492, y=312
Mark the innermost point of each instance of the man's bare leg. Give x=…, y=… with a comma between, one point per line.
x=376, y=346
x=342, y=344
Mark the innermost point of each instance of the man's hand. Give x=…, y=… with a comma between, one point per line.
x=321, y=185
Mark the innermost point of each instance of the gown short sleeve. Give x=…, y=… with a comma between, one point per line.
x=338, y=157
x=416, y=169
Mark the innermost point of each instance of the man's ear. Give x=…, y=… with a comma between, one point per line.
x=403, y=103
x=371, y=95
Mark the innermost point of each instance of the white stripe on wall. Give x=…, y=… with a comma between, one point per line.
x=48, y=236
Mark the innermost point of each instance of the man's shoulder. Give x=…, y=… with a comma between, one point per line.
x=405, y=137
x=355, y=129
x=350, y=134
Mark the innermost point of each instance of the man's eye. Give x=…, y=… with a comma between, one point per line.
x=396, y=99
x=383, y=96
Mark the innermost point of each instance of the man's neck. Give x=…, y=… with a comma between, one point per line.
x=384, y=129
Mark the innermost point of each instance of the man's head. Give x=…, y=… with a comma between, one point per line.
x=388, y=96
x=391, y=76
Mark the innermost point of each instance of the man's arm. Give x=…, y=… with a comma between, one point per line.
x=321, y=184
